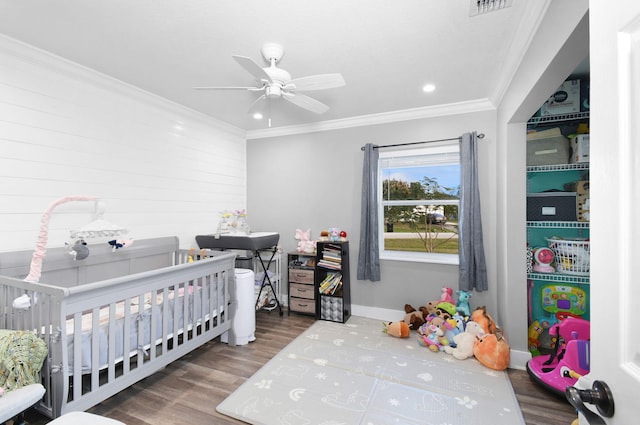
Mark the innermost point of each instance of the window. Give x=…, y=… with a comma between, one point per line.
x=418, y=199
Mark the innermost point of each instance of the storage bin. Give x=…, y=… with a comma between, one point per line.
x=582, y=198
x=548, y=147
x=572, y=256
x=551, y=206
x=301, y=275
x=331, y=309
x=579, y=149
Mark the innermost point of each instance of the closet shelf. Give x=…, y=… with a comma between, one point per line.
x=558, y=118
x=558, y=277
x=558, y=224
x=557, y=167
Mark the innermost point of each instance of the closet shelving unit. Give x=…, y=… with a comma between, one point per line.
x=539, y=179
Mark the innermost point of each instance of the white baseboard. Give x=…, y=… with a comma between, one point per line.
x=382, y=314
x=518, y=359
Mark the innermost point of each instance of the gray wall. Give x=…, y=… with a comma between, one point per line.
x=313, y=180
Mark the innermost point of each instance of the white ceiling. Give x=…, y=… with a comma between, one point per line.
x=385, y=49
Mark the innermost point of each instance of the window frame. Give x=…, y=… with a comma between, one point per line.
x=420, y=257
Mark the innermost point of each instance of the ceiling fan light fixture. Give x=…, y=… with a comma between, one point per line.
x=273, y=90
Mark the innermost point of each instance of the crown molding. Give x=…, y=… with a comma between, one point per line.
x=41, y=58
x=477, y=105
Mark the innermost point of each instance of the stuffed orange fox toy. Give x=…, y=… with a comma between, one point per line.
x=491, y=349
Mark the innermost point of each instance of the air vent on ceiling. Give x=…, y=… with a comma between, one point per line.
x=479, y=7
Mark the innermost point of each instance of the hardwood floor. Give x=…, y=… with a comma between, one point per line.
x=188, y=390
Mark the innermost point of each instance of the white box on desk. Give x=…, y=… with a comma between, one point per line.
x=579, y=149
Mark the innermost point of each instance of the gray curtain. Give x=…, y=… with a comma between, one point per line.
x=369, y=252
x=472, y=269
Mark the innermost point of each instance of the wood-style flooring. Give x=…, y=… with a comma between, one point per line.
x=188, y=390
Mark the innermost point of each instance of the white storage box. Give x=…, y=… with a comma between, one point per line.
x=565, y=100
x=579, y=149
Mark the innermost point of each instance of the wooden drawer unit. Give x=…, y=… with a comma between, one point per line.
x=302, y=293
x=302, y=305
x=299, y=290
x=301, y=276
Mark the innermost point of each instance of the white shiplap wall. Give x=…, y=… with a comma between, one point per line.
x=66, y=130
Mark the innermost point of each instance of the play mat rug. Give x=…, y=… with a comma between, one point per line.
x=354, y=374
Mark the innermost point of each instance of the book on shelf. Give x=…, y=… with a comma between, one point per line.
x=335, y=249
x=330, y=264
x=330, y=283
x=336, y=287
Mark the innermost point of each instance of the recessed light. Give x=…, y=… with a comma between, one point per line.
x=257, y=116
x=428, y=88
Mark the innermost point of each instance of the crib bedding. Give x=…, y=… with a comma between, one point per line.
x=140, y=329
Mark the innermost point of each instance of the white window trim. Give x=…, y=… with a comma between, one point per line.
x=416, y=257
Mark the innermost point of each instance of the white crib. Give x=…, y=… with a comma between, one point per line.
x=116, y=317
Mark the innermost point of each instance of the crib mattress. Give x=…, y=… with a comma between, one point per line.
x=140, y=325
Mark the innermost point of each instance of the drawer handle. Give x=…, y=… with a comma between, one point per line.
x=303, y=305
x=302, y=290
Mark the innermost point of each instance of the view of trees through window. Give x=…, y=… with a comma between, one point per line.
x=420, y=208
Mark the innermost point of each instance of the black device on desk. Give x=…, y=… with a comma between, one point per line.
x=256, y=242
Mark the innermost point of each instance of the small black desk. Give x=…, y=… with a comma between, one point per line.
x=256, y=242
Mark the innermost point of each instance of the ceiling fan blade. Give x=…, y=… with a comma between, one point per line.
x=306, y=102
x=318, y=82
x=253, y=68
x=230, y=88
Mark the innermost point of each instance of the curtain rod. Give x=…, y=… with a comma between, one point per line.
x=480, y=136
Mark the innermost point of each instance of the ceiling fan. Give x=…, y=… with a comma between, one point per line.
x=276, y=83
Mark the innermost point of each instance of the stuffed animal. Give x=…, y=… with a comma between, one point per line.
x=484, y=319
x=462, y=306
x=430, y=307
x=458, y=324
x=79, y=250
x=397, y=329
x=445, y=309
x=414, y=318
x=492, y=351
x=305, y=244
x=465, y=341
x=433, y=334
x=446, y=295
x=120, y=243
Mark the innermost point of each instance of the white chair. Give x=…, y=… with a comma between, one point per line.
x=14, y=403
